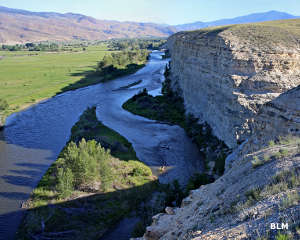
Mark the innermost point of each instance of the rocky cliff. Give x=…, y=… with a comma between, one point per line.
x=225, y=74
x=244, y=82
x=261, y=185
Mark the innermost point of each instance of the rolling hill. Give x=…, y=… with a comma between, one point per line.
x=20, y=26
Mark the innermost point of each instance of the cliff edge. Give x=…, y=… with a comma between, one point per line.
x=243, y=80
x=226, y=73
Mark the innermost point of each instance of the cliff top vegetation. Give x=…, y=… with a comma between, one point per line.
x=270, y=35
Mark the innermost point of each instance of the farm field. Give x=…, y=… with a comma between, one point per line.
x=28, y=77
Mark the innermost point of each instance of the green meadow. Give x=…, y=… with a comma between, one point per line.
x=27, y=76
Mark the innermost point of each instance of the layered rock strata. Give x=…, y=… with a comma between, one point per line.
x=225, y=74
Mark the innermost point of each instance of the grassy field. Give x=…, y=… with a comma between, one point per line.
x=27, y=77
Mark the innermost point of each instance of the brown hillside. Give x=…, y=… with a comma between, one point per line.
x=18, y=26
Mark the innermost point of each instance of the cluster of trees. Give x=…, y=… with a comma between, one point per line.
x=31, y=47
x=81, y=165
x=122, y=59
x=118, y=64
x=135, y=44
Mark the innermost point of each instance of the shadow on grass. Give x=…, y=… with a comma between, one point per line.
x=87, y=217
x=95, y=76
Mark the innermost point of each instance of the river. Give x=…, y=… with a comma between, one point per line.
x=33, y=138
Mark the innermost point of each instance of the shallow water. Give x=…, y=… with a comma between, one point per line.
x=33, y=138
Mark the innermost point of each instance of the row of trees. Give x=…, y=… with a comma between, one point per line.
x=32, y=47
x=45, y=46
x=135, y=44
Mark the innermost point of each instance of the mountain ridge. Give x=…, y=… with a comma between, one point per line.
x=21, y=26
x=250, y=18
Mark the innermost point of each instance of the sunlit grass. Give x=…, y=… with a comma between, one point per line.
x=27, y=77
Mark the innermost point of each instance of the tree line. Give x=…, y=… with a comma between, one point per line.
x=135, y=44
x=118, y=64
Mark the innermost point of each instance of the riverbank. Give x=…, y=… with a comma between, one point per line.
x=169, y=108
x=72, y=202
x=34, y=138
x=57, y=73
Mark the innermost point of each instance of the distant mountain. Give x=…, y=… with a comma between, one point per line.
x=20, y=26
x=256, y=17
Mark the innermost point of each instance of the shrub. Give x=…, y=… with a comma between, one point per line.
x=282, y=237
x=277, y=155
x=284, y=152
x=3, y=104
x=254, y=194
x=271, y=143
x=140, y=169
x=291, y=199
x=256, y=162
x=65, y=184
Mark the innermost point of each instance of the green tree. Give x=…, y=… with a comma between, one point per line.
x=88, y=162
x=65, y=185
x=3, y=104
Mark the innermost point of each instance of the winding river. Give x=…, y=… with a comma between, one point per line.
x=34, y=137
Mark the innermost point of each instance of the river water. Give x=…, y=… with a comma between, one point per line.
x=33, y=138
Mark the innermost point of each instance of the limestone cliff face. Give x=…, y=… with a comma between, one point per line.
x=279, y=117
x=244, y=82
x=261, y=185
x=226, y=74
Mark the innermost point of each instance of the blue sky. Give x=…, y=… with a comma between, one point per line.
x=160, y=11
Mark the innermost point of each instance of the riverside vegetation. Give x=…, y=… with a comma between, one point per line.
x=3, y=108
x=169, y=108
x=96, y=181
x=87, y=190
x=49, y=68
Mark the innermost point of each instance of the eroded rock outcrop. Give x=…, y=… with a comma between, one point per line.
x=244, y=82
x=225, y=74
x=261, y=185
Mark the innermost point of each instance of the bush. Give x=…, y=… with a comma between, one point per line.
x=65, y=184
x=256, y=162
x=271, y=143
x=282, y=237
x=139, y=169
x=291, y=199
x=3, y=104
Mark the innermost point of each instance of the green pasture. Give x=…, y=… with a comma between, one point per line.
x=27, y=77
